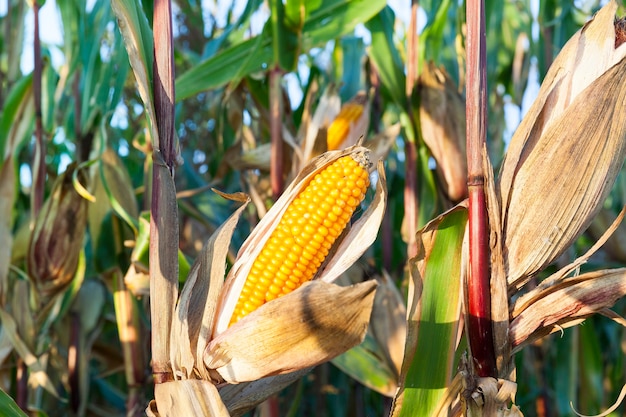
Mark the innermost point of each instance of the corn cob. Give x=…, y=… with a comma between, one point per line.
x=305, y=234
x=339, y=128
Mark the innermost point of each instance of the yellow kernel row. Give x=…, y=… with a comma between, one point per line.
x=304, y=236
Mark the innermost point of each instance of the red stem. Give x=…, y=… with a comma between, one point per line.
x=480, y=333
x=164, y=80
x=411, y=200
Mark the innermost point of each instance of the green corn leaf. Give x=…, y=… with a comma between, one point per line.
x=386, y=57
x=331, y=20
x=433, y=329
x=365, y=364
x=137, y=35
x=8, y=407
x=16, y=118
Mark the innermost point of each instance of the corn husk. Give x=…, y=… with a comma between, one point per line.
x=57, y=238
x=355, y=241
x=285, y=336
x=442, y=121
x=567, y=152
x=293, y=332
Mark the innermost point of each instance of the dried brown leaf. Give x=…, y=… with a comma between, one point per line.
x=442, y=121
x=299, y=330
x=562, y=183
x=163, y=265
x=566, y=303
x=566, y=152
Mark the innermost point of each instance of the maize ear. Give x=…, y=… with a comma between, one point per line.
x=305, y=234
x=339, y=128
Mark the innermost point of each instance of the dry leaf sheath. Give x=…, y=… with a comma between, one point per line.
x=567, y=152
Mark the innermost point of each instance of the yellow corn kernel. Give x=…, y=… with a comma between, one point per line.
x=304, y=235
x=339, y=128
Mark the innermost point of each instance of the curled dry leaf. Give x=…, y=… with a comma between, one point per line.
x=442, y=120
x=567, y=303
x=300, y=330
x=567, y=152
x=616, y=245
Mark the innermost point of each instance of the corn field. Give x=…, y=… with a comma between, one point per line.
x=312, y=208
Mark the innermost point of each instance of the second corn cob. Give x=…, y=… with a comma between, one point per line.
x=305, y=234
x=347, y=117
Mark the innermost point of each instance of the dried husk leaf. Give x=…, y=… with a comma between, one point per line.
x=296, y=331
x=352, y=245
x=562, y=183
x=567, y=303
x=567, y=152
x=442, y=121
x=491, y=397
x=57, y=238
x=240, y=398
x=192, y=323
x=190, y=397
